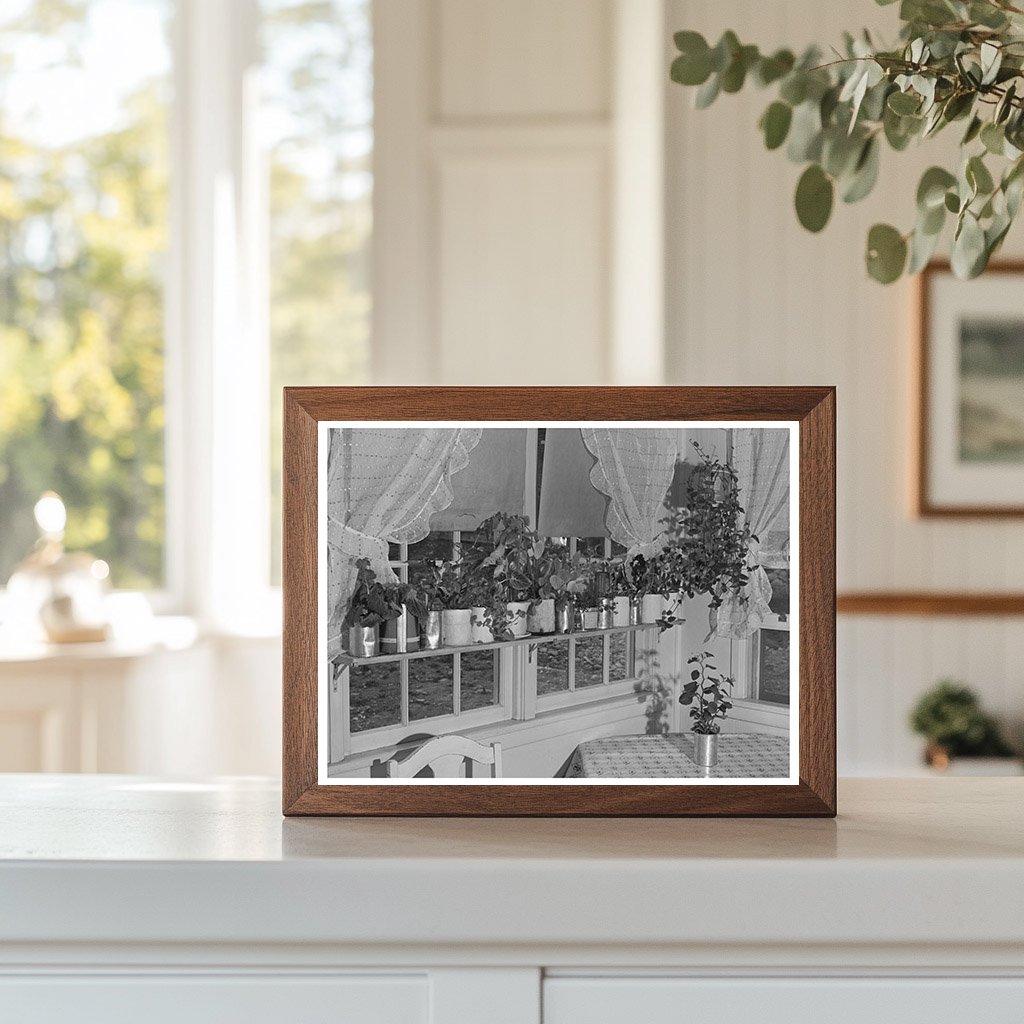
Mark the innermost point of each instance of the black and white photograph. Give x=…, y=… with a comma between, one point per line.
x=558, y=602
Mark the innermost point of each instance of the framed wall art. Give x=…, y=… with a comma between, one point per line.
x=559, y=601
x=970, y=444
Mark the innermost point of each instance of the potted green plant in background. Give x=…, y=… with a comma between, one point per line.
x=708, y=691
x=635, y=576
x=400, y=633
x=372, y=604
x=950, y=717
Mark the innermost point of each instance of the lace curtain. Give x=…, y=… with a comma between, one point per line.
x=634, y=469
x=761, y=460
x=384, y=485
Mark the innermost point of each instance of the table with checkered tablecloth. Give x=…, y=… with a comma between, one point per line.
x=745, y=755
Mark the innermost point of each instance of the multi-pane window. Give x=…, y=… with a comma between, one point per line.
x=765, y=666
x=84, y=173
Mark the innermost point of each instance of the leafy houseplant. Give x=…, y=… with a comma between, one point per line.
x=950, y=717
x=372, y=604
x=549, y=575
x=426, y=601
x=708, y=539
x=956, y=61
x=708, y=691
x=509, y=567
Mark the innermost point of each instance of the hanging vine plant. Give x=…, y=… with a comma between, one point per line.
x=957, y=62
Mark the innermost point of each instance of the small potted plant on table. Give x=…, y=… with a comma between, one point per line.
x=548, y=582
x=510, y=563
x=452, y=584
x=427, y=604
x=618, y=593
x=372, y=604
x=708, y=691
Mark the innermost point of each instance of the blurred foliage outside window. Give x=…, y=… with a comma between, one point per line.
x=84, y=169
x=83, y=235
x=317, y=120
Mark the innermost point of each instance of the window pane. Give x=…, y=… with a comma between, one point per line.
x=552, y=667
x=589, y=662
x=779, y=579
x=773, y=666
x=83, y=235
x=435, y=547
x=431, y=687
x=317, y=125
x=619, y=664
x=375, y=695
x=590, y=547
x=479, y=679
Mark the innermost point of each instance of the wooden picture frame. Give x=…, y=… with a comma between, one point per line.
x=811, y=411
x=935, y=475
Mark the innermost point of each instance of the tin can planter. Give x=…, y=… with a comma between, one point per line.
x=591, y=616
x=430, y=631
x=398, y=633
x=635, y=611
x=605, y=613
x=541, y=618
x=620, y=611
x=705, y=749
x=563, y=616
x=518, y=612
x=365, y=641
x=480, y=631
x=652, y=607
x=455, y=627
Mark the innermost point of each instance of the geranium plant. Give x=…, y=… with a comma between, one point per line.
x=956, y=62
x=373, y=602
x=708, y=692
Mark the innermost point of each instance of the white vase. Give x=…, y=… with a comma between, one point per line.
x=620, y=611
x=652, y=607
x=541, y=618
x=590, y=617
x=518, y=612
x=480, y=632
x=455, y=627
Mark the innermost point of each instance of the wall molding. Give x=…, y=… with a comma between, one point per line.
x=929, y=603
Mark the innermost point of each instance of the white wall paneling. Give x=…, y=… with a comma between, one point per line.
x=751, y=298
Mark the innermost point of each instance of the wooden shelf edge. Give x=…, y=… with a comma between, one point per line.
x=914, y=603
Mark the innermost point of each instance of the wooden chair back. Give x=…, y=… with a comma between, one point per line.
x=446, y=756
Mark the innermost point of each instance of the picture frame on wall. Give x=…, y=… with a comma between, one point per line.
x=970, y=383
x=559, y=601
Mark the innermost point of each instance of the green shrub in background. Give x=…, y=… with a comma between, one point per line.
x=950, y=717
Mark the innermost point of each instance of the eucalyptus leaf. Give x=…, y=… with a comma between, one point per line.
x=805, y=133
x=993, y=138
x=978, y=175
x=904, y=103
x=886, y=254
x=707, y=93
x=814, y=195
x=931, y=191
x=865, y=174
x=968, y=247
x=922, y=247
x=775, y=124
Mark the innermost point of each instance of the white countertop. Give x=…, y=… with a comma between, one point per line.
x=119, y=859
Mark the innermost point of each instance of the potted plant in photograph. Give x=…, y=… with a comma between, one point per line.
x=427, y=604
x=510, y=563
x=587, y=596
x=452, y=584
x=709, y=693
x=707, y=539
x=950, y=718
x=618, y=593
x=635, y=575
x=372, y=604
x=490, y=618
x=548, y=583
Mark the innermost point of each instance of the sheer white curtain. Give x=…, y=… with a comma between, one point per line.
x=384, y=485
x=761, y=460
x=634, y=469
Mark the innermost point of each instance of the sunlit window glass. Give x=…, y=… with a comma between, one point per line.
x=317, y=124
x=83, y=235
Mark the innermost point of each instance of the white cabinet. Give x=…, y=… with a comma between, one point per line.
x=824, y=1000
x=205, y=999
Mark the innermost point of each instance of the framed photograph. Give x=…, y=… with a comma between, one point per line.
x=970, y=450
x=559, y=601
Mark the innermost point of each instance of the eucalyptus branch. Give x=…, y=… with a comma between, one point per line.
x=955, y=61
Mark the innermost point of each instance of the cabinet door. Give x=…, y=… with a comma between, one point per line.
x=206, y=999
x=654, y=1000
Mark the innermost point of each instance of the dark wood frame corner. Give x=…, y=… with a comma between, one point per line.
x=815, y=410
x=922, y=505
